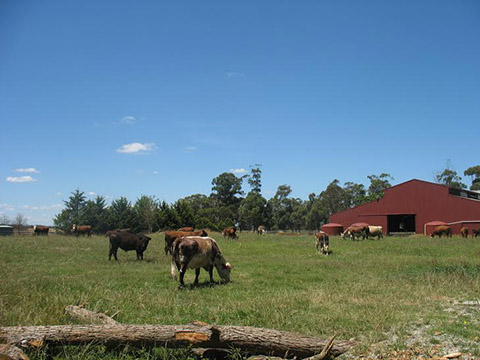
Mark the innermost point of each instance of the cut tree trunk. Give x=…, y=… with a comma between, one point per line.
x=249, y=339
x=10, y=352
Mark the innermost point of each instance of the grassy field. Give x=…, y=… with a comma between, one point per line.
x=369, y=290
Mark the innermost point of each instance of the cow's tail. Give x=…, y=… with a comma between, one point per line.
x=173, y=269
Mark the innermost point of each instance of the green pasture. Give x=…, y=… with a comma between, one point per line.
x=363, y=290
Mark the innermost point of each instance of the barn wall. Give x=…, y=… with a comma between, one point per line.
x=427, y=201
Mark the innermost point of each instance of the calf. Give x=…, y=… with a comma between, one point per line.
x=127, y=241
x=442, y=230
x=170, y=237
x=197, y=252
x=464, y=232
x=82, y=229
x=40, y=230
x=261, y=230
x=230, y=232
x=322, y=242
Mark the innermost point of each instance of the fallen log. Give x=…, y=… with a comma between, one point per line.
x=249, y=339
x=10, y=352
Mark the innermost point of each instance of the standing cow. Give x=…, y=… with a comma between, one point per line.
x=195, y=252
x=442, y=230
x=475, y=232
x=82, y=230
x=356, y=230
x=322, y=242
x=186, y=228
x=230, y=233
x=40, y=230
x=464, y=232
x=375, y=231
x=127, y=241
x=261, y=230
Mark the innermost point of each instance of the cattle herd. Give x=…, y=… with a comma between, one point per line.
x=194, y=249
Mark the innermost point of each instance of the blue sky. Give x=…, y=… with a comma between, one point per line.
x=124, y=98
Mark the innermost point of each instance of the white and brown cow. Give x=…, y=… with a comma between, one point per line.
x=375, y=231
x=195, y=252
x=322, y=242
x=82, y=230
x=40, y=230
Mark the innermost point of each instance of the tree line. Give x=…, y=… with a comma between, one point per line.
x=229, y=205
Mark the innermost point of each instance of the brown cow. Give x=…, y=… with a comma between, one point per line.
x=475, y=232
x=187, y=228
x=127, y=241
x=322, y=242
x=170, y=237
x=40, y=230
x=197, y=252
x=464, y=232
x=82, y=229
x=230, y=232
x=356, y=230
x=442, y=230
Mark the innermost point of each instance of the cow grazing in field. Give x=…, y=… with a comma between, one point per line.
x=82, y=230
x=40, y=230
x=322, y=242
x=375, y=231
x=475, y=232
x=127, y=241
x=230, y=232
x=187, y=228
x=170, y=237
x=464, y=232
x=442, y=230
x=356, y=230
x=261, y=230
x=197, y=252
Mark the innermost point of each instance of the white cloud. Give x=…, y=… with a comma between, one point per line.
x=91, y=193
x=238, y=171
x=191, y=148
x=27, y=170
x=234, y=74
x=155, y=172
x=42, y=207
x=136, y=148
x=20, y=179
x=6, y=207
x=58, y=193
x=129, y=120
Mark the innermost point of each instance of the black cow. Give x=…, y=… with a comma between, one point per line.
x=127, y=241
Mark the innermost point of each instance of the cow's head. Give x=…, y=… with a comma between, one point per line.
x=74, y=227
x=204, y=233
x=145, y=239
x=223, y=268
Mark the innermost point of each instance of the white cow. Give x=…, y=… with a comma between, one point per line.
x=375, y=231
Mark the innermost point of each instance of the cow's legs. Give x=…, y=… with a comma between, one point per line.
x=210, y=272
x=197, y=274
x=183, y=270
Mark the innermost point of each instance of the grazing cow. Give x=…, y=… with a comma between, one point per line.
x=127, y=241
x=197, y=252
x=261, y=230
x=475, y=232
x=356, y=230
x=82, y=229
x=40, y=230
x=170, y=237
x=464, y=232
x=322, y=242
x=442, y=230
x=375, y=231
x=230, y=232
x=187, y=228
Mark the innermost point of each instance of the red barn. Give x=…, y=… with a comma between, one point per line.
x=407, y=207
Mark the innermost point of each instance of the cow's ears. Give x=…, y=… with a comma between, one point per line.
x=228, y=266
